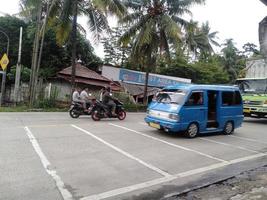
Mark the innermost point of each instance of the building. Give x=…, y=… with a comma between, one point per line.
x=133, y=81
x=84, y=78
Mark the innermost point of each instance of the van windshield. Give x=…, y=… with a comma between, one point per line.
x=171, y=96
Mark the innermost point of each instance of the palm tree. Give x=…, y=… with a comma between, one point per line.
x=63, y=15
x=199, y=40
x=37, y=12
x=96, y=11
x=153, y=26
x=230, y=58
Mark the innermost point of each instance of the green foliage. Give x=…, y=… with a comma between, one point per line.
x=54, y=57
x=209, y=72
x=114, y=53
x=11, y=26
x=233, y=61
x=135, y=107
x=24, y=77
x=49, y=102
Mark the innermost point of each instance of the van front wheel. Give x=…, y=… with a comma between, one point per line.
x=228, y=128
x=192, y=130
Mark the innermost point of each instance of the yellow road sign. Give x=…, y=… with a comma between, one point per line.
x=4, y=62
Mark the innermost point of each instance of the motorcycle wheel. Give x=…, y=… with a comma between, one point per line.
x=74, y=114
x=122, y=115
x=95, y=116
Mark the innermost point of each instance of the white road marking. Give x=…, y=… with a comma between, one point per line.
x=230, y=145
x=151, y=183
x=168, y=143
x=124, y=153
x=46, y=164
x=142, y=123
x=247, y=139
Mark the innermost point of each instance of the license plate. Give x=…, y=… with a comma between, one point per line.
x=246, y=110
x=154, y=125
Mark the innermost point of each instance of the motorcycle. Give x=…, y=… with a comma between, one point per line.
x=100, y=111
x=77, y=109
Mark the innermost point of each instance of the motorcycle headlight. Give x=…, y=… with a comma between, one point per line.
x=174, y=117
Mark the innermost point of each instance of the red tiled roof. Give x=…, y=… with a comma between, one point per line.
x=83, y=72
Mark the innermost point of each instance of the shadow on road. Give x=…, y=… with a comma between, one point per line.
x=256, y=121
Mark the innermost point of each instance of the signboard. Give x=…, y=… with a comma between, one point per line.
x=129, y=76
x=4, y=62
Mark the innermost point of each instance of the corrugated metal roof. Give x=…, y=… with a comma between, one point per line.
x=137, y=90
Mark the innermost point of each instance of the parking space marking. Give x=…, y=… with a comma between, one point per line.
x=163, y=173
x=230, y=145
x=148, y=184
x=46, y=164
x=247, y=139
x=168, y=143
x=142, y=123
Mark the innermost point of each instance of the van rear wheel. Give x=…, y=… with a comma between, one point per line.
x=228, y=128
x=192, y=130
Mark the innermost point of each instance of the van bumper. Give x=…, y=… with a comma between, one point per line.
x=164, y=124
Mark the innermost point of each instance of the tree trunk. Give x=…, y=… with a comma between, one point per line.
x=41, y=49
x=145, y=87
x=148, y=68
x=74, y=45
x=35, y=56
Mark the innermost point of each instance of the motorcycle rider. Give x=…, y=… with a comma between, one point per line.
x=76, y=97
x=108, y=100
x=85, y=98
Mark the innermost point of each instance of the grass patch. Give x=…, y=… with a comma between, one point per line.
x=27, y=109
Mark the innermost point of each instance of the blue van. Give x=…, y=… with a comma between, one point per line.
x=196, y=109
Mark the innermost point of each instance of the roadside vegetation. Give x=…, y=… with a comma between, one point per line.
x=151, y=35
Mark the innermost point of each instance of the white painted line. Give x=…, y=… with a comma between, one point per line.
x=247, y=139
x=148, y=184
x=238, y=160
x=142, y=123
x=230, y=145
x=124, y=153
x=168, y=143
x=46, y=164
x=131, y=188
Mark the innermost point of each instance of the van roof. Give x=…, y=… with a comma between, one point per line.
x=202, y=87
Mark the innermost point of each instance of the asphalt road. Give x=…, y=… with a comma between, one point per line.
x=47, y=156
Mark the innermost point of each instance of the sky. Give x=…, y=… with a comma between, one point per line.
x=236, y=19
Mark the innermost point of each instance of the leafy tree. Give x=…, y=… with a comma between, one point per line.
x=153, y=26
x=55, y=57
x=11, y=25
x=233, y=63
x=250, y=50
x=115, y=53
x=199, y=40
x=68, y=11
x=210, y=72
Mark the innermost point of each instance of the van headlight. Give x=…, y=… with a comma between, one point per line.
x=174, y=117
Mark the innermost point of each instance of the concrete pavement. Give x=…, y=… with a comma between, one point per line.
x=51, y=156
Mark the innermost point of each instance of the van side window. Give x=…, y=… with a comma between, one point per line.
x=231, y=98
x=196, y=99
x=238, y=98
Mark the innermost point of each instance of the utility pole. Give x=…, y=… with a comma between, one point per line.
x=18, y=69
x=3, y=85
